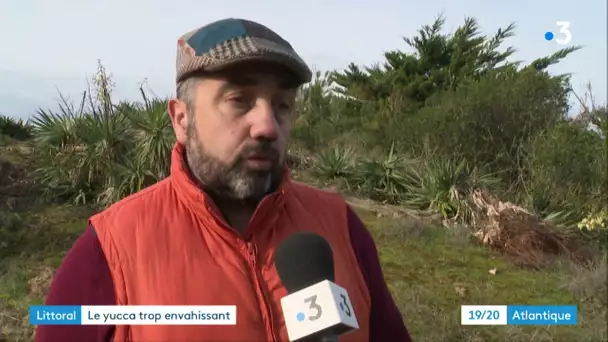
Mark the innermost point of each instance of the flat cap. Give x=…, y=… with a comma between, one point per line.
x=227, y=42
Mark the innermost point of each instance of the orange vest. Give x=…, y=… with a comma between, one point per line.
x=168, y=245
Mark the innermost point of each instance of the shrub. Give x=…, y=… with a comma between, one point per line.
x=336, y=162
x=384, y=179
x=14, y=128
x=103, y=152
x=444, y=185
x=490, y=123
x=567, y=166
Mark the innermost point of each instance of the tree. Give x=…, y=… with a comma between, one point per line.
x=439, y=62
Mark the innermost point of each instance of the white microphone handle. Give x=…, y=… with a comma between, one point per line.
x=319, y=313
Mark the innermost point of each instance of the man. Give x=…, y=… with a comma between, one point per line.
x=206, y=234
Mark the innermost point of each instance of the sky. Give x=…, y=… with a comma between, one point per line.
x=48, y=46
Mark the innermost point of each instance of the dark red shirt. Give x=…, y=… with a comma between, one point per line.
x=84, y=279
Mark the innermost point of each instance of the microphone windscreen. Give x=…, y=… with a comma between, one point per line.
x=304, y=259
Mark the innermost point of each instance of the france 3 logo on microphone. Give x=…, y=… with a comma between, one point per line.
x=563, y=35
x=321, y=308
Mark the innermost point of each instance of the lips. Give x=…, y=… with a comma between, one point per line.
x=268, y=154
x=260, y=158
x=259, y=163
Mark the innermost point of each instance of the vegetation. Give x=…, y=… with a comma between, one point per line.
x=425, y=144
x=13, y=129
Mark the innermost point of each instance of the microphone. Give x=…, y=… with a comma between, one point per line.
x=315, y=309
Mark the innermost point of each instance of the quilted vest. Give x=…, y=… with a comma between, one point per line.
x=169, y=245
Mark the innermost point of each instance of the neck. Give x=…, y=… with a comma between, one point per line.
x=237, y=213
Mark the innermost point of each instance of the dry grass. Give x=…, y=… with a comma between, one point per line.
x=525, y=239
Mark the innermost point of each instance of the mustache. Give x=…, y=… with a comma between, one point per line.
x=263, y=149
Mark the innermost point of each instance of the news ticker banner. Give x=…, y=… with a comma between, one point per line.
x=518, y=315
x=133, y=315
x=226, y=315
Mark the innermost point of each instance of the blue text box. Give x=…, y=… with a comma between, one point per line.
x=55, y=315
x=541, y=315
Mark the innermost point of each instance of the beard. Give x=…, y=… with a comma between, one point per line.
x=234, y=180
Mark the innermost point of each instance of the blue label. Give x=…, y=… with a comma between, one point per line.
x=541, y=315
x=55, y=315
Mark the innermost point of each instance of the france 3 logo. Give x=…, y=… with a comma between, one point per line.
x=564, y=35
x=318, y=309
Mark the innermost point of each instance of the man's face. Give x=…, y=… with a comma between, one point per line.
x=236, y=130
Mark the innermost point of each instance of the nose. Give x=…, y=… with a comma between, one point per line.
x=264, y=125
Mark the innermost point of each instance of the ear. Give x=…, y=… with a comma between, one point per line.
x=178, y=112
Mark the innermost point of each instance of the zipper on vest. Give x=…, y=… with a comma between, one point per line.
x=253, y=254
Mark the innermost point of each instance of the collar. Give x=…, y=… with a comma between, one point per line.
x=202, y=205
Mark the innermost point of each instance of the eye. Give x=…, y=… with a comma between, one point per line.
x=239, y=103
x=238, y=99
x=284, y=105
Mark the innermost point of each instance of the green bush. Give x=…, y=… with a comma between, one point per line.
x=104, y=152
x=14, y=128
x=384, y=179
x=490, y=123
x=336, y=162
x=102, y=158
x=567, y=168
x=443, y=185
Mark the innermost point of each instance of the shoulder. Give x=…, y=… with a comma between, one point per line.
x=309, y=192
x=133, y=209
x=361, y=239
x=126, y=217
x=139, y=200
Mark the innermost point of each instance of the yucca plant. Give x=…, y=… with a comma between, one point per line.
x=78, y=149
x=444, y=185
x=565, y=219
x=130, y=176
x=59, y=174
x=58, y=147
x=102, y=152
x=77, y=154
x=386, y=179
x=155, y=137
x=56, y=130
x=336, y=162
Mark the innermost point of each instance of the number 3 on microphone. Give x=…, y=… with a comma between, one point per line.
x=344, y=305
x=312, y=304
x=564, y=28
x=318, y=310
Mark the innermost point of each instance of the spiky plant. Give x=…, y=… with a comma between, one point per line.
x=155, y=137
x=444, y=185
x=385, y=179
x=335, y=162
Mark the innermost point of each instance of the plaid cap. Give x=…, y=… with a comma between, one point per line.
x=226, y=42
